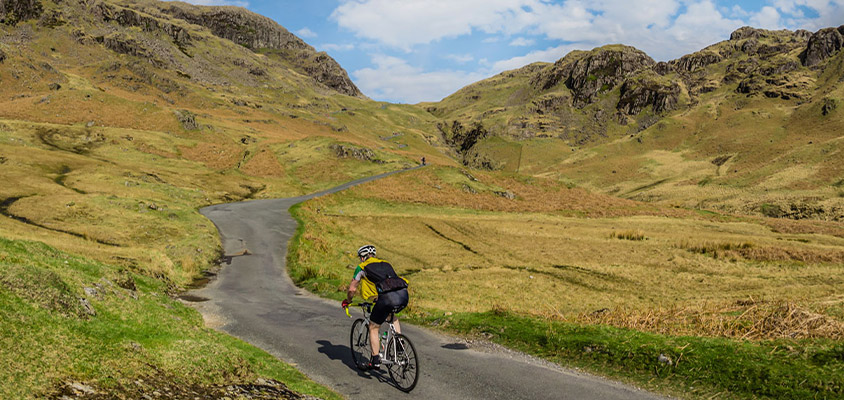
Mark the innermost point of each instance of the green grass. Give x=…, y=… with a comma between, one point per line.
x=699, y=368
x=49, y=339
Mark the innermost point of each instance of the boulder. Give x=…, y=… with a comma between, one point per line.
x=822, y=45
x=829, y=105
x=187, y=119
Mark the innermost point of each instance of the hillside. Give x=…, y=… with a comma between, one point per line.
x=118, y=120
x=750, y=124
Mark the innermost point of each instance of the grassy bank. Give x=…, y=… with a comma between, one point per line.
x=684, y=366
x=127, y=328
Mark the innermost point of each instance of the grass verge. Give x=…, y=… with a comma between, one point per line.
x=69, y=319
x=690, y=367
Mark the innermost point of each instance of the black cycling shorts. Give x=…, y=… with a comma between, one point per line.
x=387, y=303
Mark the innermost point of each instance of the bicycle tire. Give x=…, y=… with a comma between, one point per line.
x=359, y=343
x=405, y=370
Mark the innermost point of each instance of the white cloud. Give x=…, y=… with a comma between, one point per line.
x=243, y=4
x=547, y=55
x=306, y=33
x=521, y=42
x=767, y=17
x=393, y=79
x=403, y=24
x=460, y=58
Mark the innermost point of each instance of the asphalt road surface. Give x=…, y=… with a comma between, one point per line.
x=254, y=299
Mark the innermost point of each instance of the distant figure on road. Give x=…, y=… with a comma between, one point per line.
x=423, y=160
x=377, y=279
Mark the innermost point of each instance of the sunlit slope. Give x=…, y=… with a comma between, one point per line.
x=746, y=124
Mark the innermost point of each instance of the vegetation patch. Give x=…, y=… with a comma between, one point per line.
x=133, y=332
x=679, y=365
x=628, y=235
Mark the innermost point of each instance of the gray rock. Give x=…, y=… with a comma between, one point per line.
x=82, y=388
x=86, y=306
x=187, y=119
x=822, y=45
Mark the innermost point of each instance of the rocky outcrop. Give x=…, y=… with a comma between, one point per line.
x=459, y=137
x=603, y=70
x=328, y=72
x=14, y=11
x=362, y=154
x=129, y=17
x=254, y=31
x=695, y=61
x=592, y=73
x=822, y=45
x=648, y=90
x=746, y=32
x=243, y=27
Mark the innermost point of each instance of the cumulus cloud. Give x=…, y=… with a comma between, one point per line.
x=306, y=33
x=337, y=47
x=547, y=55
x=393, y=79
x=403, y=24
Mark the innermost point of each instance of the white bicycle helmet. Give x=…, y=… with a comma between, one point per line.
x=366, y=251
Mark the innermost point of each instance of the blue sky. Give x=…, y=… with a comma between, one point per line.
x=410, y=51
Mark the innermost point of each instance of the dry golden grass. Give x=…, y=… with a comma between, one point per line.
x=461, y=256
x=753, y=320
x=263, y=164
x=533, y=195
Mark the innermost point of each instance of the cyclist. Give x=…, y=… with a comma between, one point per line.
x=377, y=279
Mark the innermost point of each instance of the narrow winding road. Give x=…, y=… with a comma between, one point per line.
x=254, y=299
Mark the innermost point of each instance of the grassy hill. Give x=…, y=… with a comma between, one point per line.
x=745, y=125
x=118, y=120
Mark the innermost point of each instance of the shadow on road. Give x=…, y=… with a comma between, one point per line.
x=338, y=352
x=344, y=354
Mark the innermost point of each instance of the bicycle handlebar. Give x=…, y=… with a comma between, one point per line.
x=363, y=304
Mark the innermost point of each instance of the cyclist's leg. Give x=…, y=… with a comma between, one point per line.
x=374, y=340
x=380, y=311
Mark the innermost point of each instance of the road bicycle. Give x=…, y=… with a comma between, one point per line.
x=397, y=351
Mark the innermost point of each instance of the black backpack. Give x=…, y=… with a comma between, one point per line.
x=382, y=274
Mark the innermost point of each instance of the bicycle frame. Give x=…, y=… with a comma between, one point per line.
x=366, y=308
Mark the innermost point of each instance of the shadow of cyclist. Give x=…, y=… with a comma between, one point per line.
x=344, y=354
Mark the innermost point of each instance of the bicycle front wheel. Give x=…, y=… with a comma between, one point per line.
x=404, y=369
x=359, y=343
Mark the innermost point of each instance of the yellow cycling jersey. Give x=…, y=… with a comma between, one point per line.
x=366, y=287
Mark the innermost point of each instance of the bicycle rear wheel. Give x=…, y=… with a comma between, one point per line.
x=404, y=370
